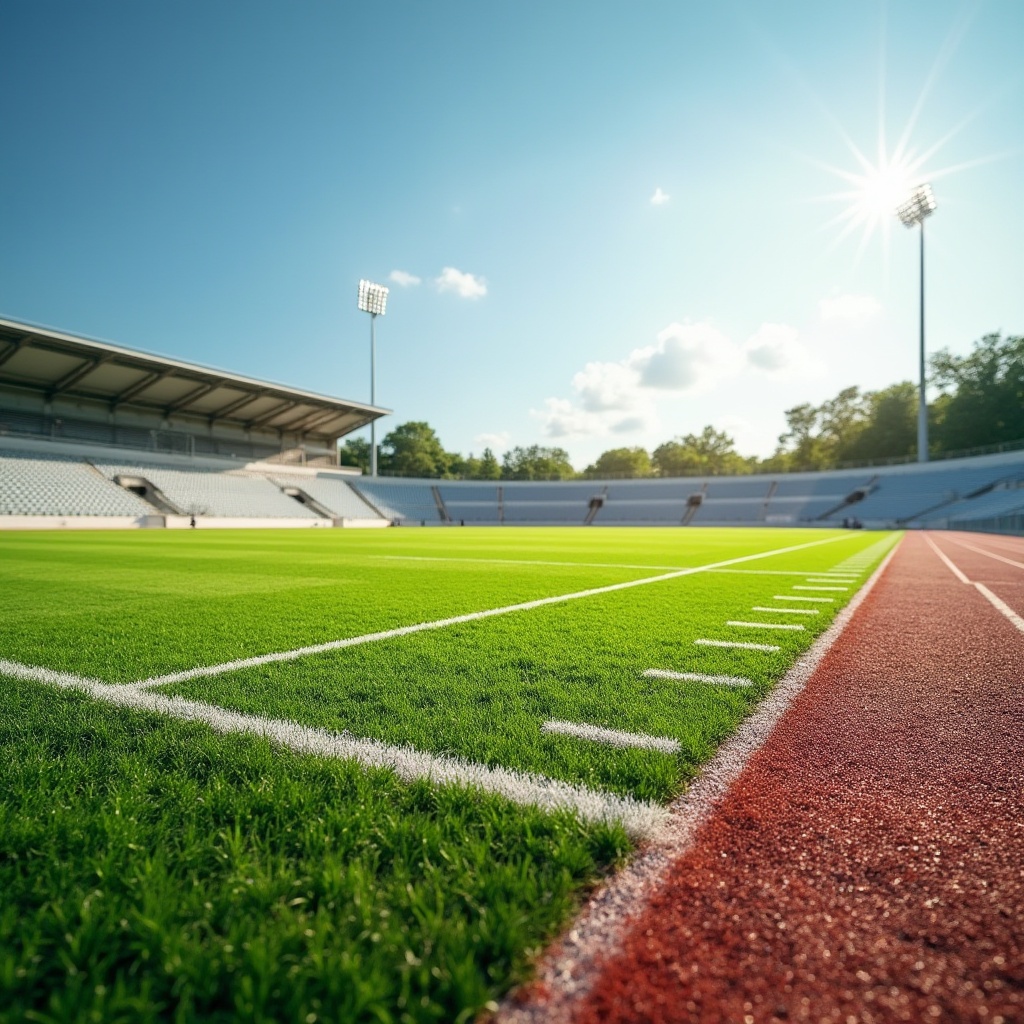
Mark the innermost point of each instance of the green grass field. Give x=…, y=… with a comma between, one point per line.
x=153, y=868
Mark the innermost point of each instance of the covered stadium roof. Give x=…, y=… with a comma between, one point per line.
x=55, y=364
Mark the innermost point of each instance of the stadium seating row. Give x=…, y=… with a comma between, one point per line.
x=940, y=494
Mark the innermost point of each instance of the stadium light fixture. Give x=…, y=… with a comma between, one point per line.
x=373, y=299
x=912, y=213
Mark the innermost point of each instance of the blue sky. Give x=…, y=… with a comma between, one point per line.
x=611, y=218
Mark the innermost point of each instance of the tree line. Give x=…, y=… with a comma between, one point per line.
x=980, y=403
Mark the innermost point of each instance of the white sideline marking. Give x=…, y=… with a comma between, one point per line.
x=786, y=611
x=764, y=625
x=830, y=579
x=736, y=643
x=636, y=816
x=568, y=971
x=797, y=586
x=998, y=603
x=697, y=677
x=354, y=641
x=784, y=597
x=612, y=737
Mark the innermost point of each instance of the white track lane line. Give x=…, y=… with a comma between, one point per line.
x=949, y=563
x=797, y=586
x=765, y=625
x=988, y=554
x=568, y=971
x=637, y=817
x=737, y=643
x=611, y=737
x=998, y=603
x=355, y=641
x=787, y=597
x=785, y=611
x=697, y=677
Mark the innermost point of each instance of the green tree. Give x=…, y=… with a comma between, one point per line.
x=489, y=467
x=709, y=453
x=984, y=393
x=620, y=462
x=537, y=463
x=414, y=449
x=888, y=427
x=355, y=452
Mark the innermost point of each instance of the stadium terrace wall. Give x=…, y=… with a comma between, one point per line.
x=61, y=485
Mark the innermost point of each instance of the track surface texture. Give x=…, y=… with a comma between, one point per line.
x=868, y=865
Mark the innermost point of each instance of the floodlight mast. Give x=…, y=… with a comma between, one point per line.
x=921, y=204
x=373, y=298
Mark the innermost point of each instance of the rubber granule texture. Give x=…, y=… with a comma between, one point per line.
x=869, y=863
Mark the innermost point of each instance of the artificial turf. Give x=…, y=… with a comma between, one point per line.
x=239, y=880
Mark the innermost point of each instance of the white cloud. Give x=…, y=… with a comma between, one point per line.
x=467, y=286
x=496, y=442
x=857, y=308
x=563, y=418
x=403, y=278
x=690, y=358
x=776, y=351
x=604, y=387
x=659, y=198
x=620, y=397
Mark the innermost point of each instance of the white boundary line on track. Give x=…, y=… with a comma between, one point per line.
x=598, y=932
x=354, y=641
x=998, y=603
x=638, y=817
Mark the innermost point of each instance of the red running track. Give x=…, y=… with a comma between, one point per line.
x=868, y=865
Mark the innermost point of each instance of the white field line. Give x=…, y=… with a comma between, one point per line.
x=785, y=597
x=587, y=565
x=829, y=579
x=570, y=968
x=737, y=643
x=764, y=625
x=786, y=611
x=989, y=554
x=998, y=603
x=697, y=677
x=611, y=737
x=797, y=586
x=335, y=645
x=638, y=817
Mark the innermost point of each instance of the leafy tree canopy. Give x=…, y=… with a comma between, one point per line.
x=621, y=462
x=710, y=453
x=537, y=463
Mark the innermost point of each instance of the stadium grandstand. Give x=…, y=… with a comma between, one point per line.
x=94, y=435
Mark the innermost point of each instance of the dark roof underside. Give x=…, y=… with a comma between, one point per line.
x=56, y=364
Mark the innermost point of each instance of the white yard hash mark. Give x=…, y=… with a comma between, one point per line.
x=697, y=677
x=611, y=737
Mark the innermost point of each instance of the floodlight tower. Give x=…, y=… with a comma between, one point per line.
x=372, y=299
x=912, y=212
